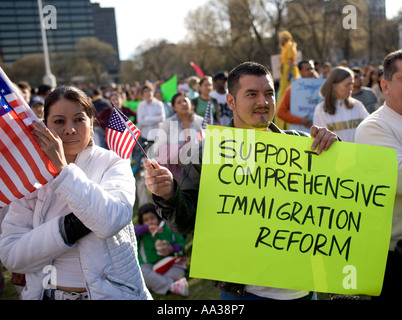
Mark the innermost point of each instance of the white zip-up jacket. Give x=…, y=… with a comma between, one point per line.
x=100, y=189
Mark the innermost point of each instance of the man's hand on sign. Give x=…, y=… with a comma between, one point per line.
x=159, y=180
x=323, y=138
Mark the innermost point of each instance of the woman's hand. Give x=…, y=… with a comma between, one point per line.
x=51, y=144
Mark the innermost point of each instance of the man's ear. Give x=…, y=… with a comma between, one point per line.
x=384, y=86
x=230, y=100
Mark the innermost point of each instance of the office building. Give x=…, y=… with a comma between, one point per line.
x=20, y=32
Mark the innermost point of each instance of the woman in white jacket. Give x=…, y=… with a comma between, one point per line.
x=74, y=238
x=339, y=112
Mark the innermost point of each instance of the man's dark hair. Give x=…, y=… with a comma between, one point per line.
x=43, y=88
x=300, y=64
x=390, y=64
x=245, y=69
x=144, y=87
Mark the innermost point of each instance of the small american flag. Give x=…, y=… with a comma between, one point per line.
x=24, y=167
x=120, y=134
x=208, y=119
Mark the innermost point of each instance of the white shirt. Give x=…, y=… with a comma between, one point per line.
x=384, y=128
x=67, y=265
x=220, y=97
x=276, y=293
x=344, y=122
x=149, y=115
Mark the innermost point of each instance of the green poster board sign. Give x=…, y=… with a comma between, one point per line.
x=169, y=88
x=271, y=212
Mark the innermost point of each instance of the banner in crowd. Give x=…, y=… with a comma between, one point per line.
x=197, y=69
x=276, y=64
x=169, y=88
x=304, y=97
x=132, y=105
x=272, y=212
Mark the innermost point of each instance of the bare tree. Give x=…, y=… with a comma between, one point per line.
x=30, y=68
x=272, y=19
x=99, y=55
x=223, y=33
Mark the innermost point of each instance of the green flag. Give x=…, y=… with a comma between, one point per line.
x=131, y=104
x=169, y=88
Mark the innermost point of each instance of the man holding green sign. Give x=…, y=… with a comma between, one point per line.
x=251, y=97
x=281, y=221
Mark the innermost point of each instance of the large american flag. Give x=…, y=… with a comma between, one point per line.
x=119, y=134
x=24, y=167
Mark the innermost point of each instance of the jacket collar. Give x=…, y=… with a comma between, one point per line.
x=84, y=156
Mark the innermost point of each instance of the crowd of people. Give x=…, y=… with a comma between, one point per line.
x=81, y=222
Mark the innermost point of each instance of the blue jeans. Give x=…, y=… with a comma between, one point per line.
x=249, y=296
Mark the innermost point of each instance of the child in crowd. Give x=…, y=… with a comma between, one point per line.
x=155, y=242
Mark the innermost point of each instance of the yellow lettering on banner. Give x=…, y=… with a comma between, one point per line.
x=272, y=212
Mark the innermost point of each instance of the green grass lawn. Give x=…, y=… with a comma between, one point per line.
x=9, y=292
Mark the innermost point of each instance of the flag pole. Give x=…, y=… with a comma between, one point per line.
x=132, y=133
x=48, y=78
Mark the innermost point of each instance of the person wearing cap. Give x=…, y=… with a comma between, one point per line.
x=43, y=91
x=219, y=93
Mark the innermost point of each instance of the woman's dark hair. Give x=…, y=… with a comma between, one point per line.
x=336, y=76
x=176, y=96
x=146, y=208
x=145, y=87
x=182, y=94
x=205, y=78
x=72, y=94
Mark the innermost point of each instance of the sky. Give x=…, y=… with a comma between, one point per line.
x=139, y=21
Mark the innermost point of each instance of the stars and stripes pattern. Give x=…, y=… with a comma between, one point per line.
x=208, y=119
x=120, y=133
x=24, y=167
